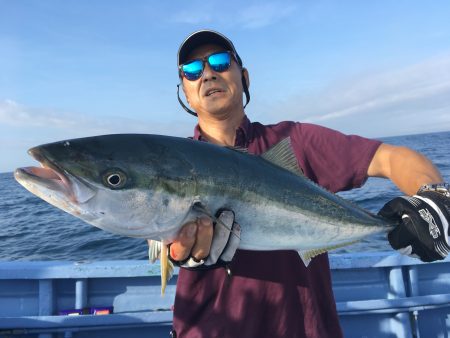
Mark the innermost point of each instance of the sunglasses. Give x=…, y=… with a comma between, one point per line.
x=219, y=62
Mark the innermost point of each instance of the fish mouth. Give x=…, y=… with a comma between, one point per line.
x=50, y=177
x=44, y=176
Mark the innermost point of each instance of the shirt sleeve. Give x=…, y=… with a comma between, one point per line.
x=332, y=159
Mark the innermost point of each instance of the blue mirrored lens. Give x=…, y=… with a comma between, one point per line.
x=193, y=70
x=219, y=62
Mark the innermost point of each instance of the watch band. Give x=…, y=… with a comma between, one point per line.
x=442, y=188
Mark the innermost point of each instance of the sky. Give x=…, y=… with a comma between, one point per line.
x=80, y=68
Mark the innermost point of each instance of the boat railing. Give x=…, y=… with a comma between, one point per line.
x=377, y=294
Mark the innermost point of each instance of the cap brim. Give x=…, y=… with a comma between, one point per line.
x=200, y=38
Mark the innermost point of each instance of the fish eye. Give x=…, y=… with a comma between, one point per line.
x=114, y=179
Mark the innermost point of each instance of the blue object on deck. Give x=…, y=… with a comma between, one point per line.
x=377, y=295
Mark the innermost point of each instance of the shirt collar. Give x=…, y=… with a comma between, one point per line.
x=243, y=133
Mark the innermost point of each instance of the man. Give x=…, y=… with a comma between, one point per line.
x=273, y=294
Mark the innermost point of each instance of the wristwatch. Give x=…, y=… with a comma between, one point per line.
x=442, y=188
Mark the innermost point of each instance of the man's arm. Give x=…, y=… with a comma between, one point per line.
x=406, y=168
x=424, y=215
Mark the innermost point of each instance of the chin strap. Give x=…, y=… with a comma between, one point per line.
x=244, y=86
x=246, y=92
x=182, y=104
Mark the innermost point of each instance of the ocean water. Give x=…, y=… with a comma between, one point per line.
x=31, y=229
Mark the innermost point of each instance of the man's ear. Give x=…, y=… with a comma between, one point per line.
x=246, y=76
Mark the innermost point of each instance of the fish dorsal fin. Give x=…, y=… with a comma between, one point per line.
x=282, y=155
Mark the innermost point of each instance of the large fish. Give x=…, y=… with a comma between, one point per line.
x=148, y=186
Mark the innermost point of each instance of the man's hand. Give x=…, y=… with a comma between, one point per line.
x=424, y=219
x=202, y=243
x=193, y=242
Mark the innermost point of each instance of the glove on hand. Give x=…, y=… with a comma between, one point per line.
x=424, y=219
x=224, y=244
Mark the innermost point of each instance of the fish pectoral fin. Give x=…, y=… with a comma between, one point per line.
x=154, y=250
x=158, y=250
x=307, y=255
x=283, y=156
x=167, y=267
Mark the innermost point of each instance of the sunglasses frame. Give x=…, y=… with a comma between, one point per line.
x=204, y=60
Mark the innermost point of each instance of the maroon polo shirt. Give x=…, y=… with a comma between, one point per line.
x=272, y=293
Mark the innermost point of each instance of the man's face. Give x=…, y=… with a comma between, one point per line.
x=216, y=93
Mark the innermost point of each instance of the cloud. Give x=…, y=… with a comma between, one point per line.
x=264, y=14
x=415, y=98
x=185, y=16
x=45, y=121
x=22, y=127
x=15, y=114
x=253, y=16
x=404, y=97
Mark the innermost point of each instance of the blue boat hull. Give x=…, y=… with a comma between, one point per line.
x=377, y=295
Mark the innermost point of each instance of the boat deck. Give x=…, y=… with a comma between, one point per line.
x=377, y=295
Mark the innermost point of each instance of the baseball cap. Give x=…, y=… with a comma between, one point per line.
x=202, y=37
